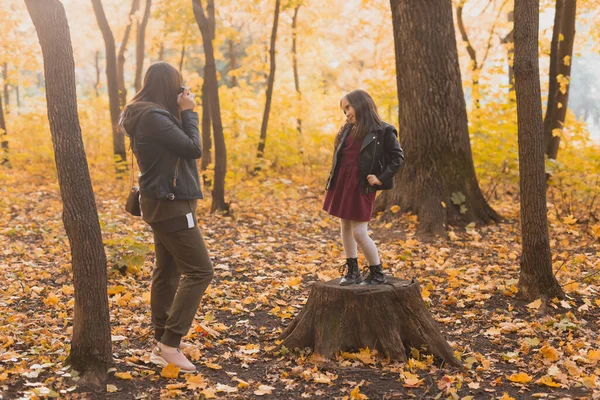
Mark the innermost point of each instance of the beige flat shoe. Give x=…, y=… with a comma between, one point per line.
x=163, y=358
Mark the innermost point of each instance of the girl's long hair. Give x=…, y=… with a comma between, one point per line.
x=365, y=112
x=161, y=87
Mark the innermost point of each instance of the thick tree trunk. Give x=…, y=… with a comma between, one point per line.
x=206, y=132
x=270, y=83
x=438, y=181
x=111, y=81
x=536, y=278
x=295, y=64
x=561, y=53
x=140, y=46
x=210, y=77
x=91, y=343
x=389, y=318
x=135, y=5
x=3, y=138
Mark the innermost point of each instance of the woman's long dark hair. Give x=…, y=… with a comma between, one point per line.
x=161, y=87
x=365, y=113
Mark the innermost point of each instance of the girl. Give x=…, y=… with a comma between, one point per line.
x=367, y=155
x=163, y=127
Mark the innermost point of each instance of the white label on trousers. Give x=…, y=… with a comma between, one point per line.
x=190, y=220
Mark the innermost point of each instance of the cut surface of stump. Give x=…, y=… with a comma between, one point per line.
x=390, y=318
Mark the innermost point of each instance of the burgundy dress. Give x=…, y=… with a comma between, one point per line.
x=344, y=199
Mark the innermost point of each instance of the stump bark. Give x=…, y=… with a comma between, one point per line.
x=390, y=318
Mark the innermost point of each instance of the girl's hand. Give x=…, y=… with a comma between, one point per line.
x=186, y=100
x=372, y=179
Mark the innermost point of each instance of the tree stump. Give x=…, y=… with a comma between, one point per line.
x=390, y=318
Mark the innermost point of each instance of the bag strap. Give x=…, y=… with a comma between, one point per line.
x=176, y=173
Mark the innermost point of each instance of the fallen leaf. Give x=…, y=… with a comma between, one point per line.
x=170, y=371
x=124, y=375
x=521, y=377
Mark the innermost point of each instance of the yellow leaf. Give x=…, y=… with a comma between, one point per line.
x=549, y=353
x=170, y=371
x=124, y=375
x=241, y=384
x=51, y=300
x=589, y=382
x=395, y=209
x=425, y=293
x=548, y=381
x=561, y=37
x=355, y=394
x=519, y=378
x=293, y=282
x=208, y=393
x=112, y=290
x=570, y=220
x=388, y=225
x=535, y=304
x=505, y=396
x=593, y=356
x=443, y=204
x=559, y=105
x=213, y=365
x=196, y=382
x=411, y=380
x=567, y=60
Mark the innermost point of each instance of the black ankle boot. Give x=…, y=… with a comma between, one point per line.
x=352, y=272
x=375, y=276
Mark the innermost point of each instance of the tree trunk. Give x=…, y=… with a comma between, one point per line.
x=232, y=62
x=536, y=278
x=182, y=57
x=389, y=318
x=135, y=5
x=3, y=138
x=111, y=81
x=161, y=52
x=295, y=64
x=561, y=53
x=5, y=81
x=97, y=65
x=473, y=66
x=210, y=77
x=139, y=47
x=510, y=40
x=438, y=181
x=270, y=83
x=91, y=342
x=206, y=133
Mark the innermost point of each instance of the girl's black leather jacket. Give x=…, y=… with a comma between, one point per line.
x=380, y=155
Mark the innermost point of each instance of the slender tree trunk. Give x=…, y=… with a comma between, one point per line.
x=3, y=138
x=510, y=40
x=18, y=90
x=97, y=65
x=561, y=52
x=111, y=80
x=270, y=83
x=218, y=193
x=438, y=181
x=182, y=57
x=161, y=52
x=135, y=5
x=295, y=65
x=140, y=46
x=232, y=62
x=91, y=342
x=5, y=81
x=206, y=132
x=473, y=65
x=536, y=278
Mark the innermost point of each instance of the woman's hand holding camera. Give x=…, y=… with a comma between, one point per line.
x=186, y=100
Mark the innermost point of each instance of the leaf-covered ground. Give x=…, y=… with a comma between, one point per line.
x=266, y=255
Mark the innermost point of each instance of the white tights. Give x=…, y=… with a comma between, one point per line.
x=354, y=234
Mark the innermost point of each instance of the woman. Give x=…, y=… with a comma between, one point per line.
x=367, y=155
x=163, y=127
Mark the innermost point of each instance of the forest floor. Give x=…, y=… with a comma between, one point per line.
x=266, y=255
